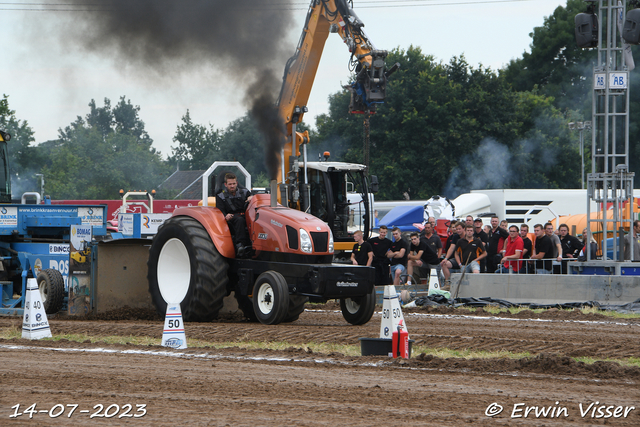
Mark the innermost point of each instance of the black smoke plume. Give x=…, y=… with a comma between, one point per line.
x=246, y=39
x=265, y=113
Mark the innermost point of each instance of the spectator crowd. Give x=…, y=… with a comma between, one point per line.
x=473, y=248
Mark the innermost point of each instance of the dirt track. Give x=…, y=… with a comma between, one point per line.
x=294, y=387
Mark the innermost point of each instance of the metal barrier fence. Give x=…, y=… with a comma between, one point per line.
x=528, y=266
x=537, y=266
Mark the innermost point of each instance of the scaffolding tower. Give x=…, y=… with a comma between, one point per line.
x=610, y=184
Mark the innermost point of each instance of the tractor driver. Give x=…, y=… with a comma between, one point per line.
x=232, y=202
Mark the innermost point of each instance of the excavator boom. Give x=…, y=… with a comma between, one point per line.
x=368, y=89
x=324, y=190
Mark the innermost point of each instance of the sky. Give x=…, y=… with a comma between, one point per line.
x=50, y=84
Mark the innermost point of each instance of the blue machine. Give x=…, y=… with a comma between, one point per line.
x=36, y=238
x=612, y=245
x=34, y=241
x=404, y=217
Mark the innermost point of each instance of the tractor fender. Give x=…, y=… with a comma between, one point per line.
x=214, y=223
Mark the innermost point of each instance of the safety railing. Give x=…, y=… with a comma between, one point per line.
x=535, y=266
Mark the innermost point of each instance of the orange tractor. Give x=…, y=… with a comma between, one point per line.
x=193, y=255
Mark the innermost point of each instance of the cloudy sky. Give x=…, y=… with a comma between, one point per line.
x=50, y=79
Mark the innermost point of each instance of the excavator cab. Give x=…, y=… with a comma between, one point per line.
x=339, y=195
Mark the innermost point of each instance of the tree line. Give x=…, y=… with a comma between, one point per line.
x=445, y=128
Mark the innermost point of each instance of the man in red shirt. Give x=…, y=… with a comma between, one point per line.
x=513, y=254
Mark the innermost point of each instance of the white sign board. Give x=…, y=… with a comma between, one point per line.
x=59, y=248
x=80, y=234
x=151, y=221
x=8, y=216
x=618, y=80
x=91, y=216
x=125, y=224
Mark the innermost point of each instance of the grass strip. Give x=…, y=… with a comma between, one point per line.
x=310, y=347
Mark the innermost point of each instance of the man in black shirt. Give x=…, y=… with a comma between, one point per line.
x=571, y=245
x=432, y=239
x=397, y=255
x=362, y=253
x=457, y=231
x=543, y=251
x=380, y=246
x=233, y=202
x=479, y=233
x=492, y=246
x=469, y=251
x=420, y=255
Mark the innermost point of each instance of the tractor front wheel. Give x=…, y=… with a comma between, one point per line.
x=271, y=298
x=359, y=311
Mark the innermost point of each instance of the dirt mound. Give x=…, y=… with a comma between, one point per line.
x=540, y=364
x=551, y=313
x=124, y=313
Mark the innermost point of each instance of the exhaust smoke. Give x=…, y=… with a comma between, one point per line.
x=245, y=40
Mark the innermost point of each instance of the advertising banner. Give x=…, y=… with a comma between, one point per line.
x=80, y=270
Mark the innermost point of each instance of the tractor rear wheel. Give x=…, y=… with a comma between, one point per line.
x=185, y=267
x=296, y=307
x=359, y=311
x=51, y=287
x=271, y=298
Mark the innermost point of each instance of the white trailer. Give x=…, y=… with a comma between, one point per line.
x=523, y=206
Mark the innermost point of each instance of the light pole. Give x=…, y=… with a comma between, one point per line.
x=581, y=126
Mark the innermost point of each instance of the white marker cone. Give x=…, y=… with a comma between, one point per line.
x=391, y=313
x=434, y=284
x=34, y=321
x=173, y=335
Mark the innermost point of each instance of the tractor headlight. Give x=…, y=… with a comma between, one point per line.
x=330, y=242
x=305, y=241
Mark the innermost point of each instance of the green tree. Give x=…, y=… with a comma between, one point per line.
x=127, y=121
x=544, y=156
x=556, y=65
x=559, y=69
x=242, y=142
x=97, y=156
x=447, y=127
x=24, y=161
x=196, y=144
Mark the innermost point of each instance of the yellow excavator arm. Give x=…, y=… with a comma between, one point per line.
x=368, y=89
